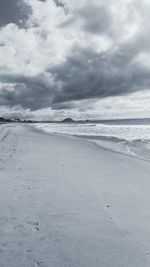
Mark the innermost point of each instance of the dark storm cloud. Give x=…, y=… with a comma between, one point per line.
x=14, y=11
x=29, y=93
x=87, y=74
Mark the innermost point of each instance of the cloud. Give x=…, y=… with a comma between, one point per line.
x=86, y=74
x=93, y=18
x=14, y=11
x=63, y=53
x=59, y=3
x=96, y=20
x=27, y=92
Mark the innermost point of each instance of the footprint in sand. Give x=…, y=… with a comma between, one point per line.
x=30, y=187
x=35, y=225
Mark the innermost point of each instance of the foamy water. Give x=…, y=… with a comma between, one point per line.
x=129, y=139
x=126, y=132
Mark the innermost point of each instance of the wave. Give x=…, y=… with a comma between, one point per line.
x=138, y=148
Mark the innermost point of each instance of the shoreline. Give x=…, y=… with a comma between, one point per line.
x=93, y=140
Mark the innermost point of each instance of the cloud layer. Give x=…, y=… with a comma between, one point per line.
x=59, y=53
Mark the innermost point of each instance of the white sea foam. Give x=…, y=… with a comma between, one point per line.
x=126, y=132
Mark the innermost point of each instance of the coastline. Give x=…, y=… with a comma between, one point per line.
x=104, y=143
x=66, y=202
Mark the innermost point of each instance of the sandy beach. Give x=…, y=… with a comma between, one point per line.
x=64, y=202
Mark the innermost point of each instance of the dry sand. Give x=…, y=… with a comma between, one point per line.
x=67, y=203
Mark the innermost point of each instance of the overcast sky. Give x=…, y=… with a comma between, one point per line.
x=85, y=59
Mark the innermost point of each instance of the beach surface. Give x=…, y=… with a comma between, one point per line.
x=65, y=202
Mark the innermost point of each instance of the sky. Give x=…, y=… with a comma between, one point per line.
x=72, y=58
